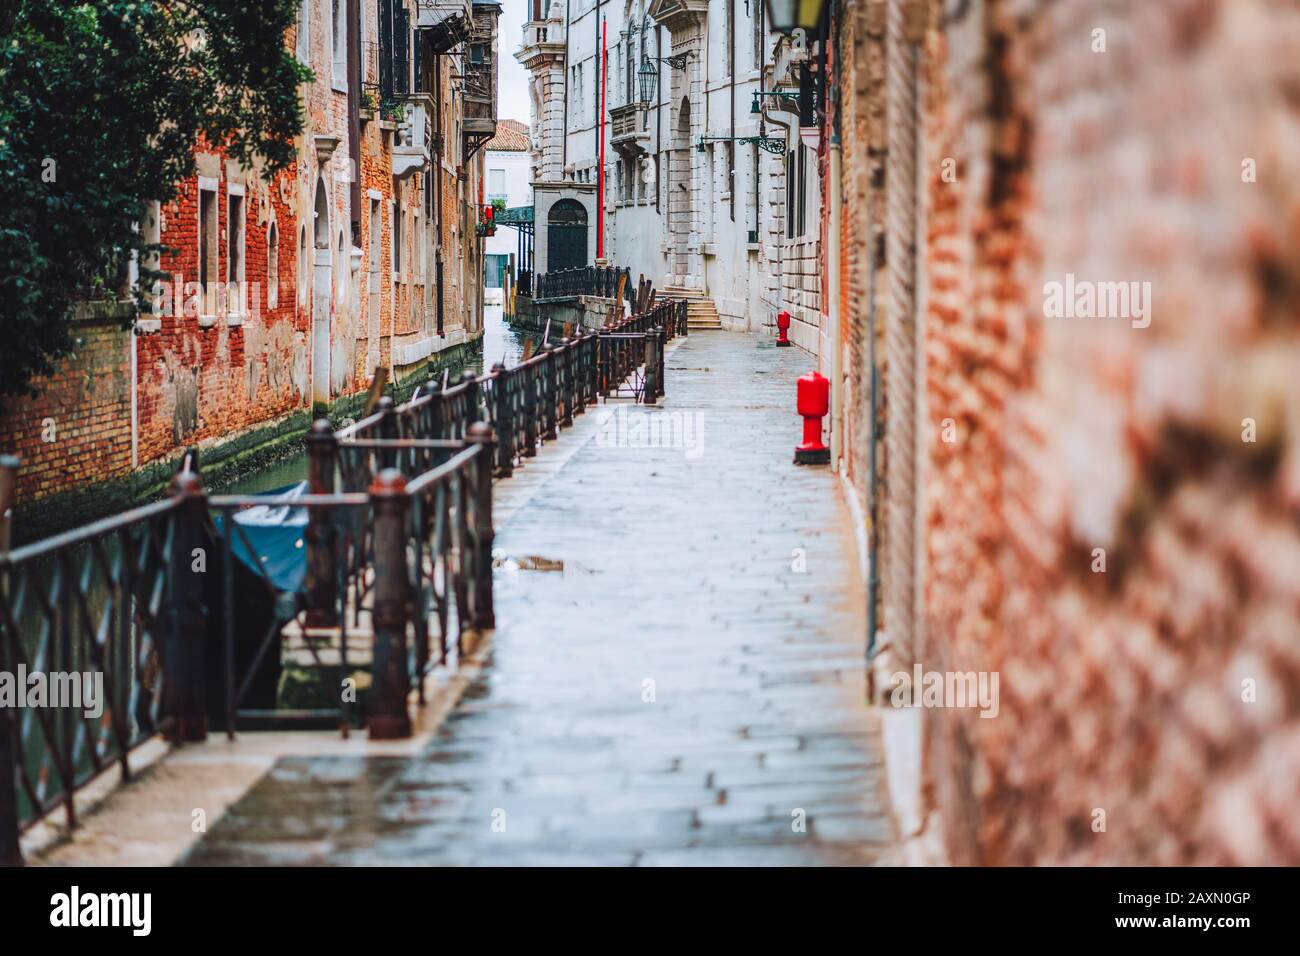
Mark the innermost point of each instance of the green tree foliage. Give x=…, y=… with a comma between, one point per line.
x=102, y=104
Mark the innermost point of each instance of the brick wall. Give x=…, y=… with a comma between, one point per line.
x=1148, y=713
x=78, y=428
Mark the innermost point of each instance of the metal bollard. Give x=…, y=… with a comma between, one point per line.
x=389, y=717
x=651, y=389
x=322, y=585
x=184, y=688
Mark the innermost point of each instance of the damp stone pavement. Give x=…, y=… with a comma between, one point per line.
x=676, y=677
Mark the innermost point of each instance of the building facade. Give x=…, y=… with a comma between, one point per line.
x=662, y=95
x=287, y=296
x=507, y=167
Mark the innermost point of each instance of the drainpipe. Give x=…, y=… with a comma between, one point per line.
x=833, y=311
x=354, y=120
x=564, y=133
x=731, y=95
x=832, y=107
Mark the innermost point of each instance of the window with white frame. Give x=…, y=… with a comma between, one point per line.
x=235, y=250
x=272, y=266
x=302, y=266
x=339, y=43
x=208, y=277
x=304, y=31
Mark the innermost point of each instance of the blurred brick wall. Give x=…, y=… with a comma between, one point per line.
x=1121, y=691
x=77, y=428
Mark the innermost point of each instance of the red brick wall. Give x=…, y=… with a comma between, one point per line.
x=1121, y=692
x=197, y=383
x=85, y=408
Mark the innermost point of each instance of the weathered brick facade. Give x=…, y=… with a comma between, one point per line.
x=1148, y=711
x=317, y=318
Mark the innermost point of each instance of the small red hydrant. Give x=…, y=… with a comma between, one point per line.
x=814, y=401
x=783, y=328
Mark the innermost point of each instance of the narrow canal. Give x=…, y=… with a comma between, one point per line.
x=501, y=343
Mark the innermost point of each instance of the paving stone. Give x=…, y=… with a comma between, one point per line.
x=677, y=571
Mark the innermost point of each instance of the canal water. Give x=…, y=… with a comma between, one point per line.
x=501, y=343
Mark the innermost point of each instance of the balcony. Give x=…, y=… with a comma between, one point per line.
x=629, y=129
x=411, y=147
x=480, y=117
x=446, y=23
x=542, y=44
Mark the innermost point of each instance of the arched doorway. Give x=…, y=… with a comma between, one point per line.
x=321, y=290
x=566, y=236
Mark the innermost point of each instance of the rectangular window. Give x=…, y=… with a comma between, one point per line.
x=235, y=252
x=208, y=277
x=339, y=43
x=803, y=189
x=496, y=183
x=397, y=240
x=791, y=194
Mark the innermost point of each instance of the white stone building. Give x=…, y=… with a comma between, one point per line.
x=695, y=162
x=507, y=171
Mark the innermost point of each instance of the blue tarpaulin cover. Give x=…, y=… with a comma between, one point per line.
x=276, y=535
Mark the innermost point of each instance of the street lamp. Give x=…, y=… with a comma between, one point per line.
x=790, y=15
x=647, y=75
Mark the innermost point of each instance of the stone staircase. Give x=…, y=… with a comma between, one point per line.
x=701, y=313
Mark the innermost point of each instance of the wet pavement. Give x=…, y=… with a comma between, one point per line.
x=676, y=677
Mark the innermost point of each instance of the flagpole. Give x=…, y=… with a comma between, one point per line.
x=600, y=174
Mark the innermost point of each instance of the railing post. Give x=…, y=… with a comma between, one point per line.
x=389, y=717
x=387, y=429
x=484, y=613
x=653, y=359
x=573, y=359
x=565, y=357
x=503, y=418
x=548, y=393
x=322, y=555
x=591, y=352
x=11, y=853
x=471, y=398
x=529, y=371
x=184, y=686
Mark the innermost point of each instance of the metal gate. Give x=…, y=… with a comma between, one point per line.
x=566, y=236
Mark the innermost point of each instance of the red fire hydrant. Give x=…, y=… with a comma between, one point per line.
x=783, y=328
x=814, y=401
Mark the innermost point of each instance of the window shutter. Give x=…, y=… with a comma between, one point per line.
x=385, y=49
x=401, y=51
x=418, y=58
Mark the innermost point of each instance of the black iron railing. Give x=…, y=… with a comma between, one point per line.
x=397, y=529
x=588, y=280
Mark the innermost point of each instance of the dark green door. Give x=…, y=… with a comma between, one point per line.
x=566, y=236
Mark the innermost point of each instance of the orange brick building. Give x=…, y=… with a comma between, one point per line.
x=1099, y=505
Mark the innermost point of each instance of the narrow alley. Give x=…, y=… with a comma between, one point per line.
x=686, y=689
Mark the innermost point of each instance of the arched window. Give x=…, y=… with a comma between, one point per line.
x=341, y=285
x=303, y=264
x=272, y=266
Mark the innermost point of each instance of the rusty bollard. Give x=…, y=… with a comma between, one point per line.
x=184, y=689
x=390, y=682
x=322, y=586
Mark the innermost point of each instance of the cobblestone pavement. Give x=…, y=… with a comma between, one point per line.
x=680, y=693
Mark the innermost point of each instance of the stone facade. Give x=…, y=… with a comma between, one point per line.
x=688, y=217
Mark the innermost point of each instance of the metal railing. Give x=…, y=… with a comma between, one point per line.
x=398, y=534
x=587, y=280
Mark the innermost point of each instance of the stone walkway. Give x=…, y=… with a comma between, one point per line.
x=679, y=693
